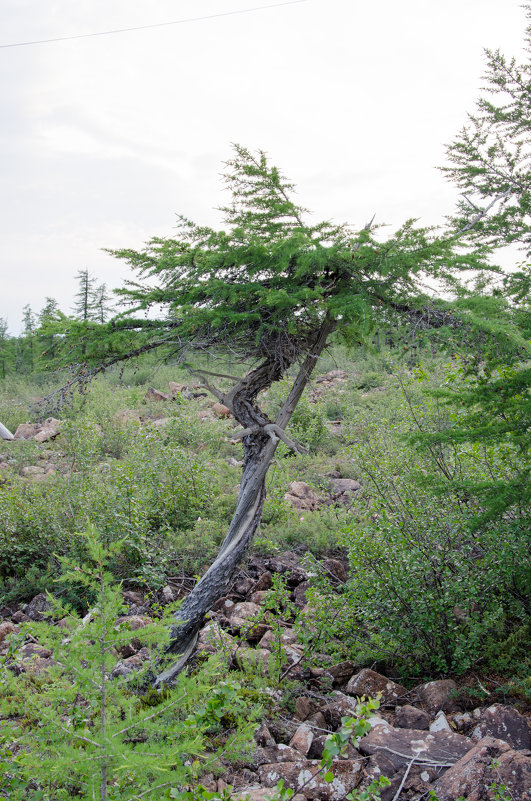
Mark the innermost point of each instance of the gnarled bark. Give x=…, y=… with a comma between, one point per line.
x=259, y=448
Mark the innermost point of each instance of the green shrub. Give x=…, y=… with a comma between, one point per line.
x=73, y=730
x=156, y=491
x=425, y=589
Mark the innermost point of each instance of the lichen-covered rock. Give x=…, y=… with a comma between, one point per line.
x=347, y=775
x=242, y=616
x=214, y=640
x=344, y=488
x=440, y=723
x=255, y=658
x=409, y=717
x=153, y=394
x=504, y=723
x=302, y=739
x=338, y=706
x=133, y=622
x=402, y=745
x=302, y=496
x=490, y=761
x=221, y=411
x=27, y=430
x=38, y=608
x=6, y=628
x=436, y=695
x=369, y=683
x=49, y=430
x=32, y=471
x=335, y=568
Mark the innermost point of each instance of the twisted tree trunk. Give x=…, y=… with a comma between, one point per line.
x=259, y=442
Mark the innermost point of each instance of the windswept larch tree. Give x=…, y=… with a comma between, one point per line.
x=271, y=290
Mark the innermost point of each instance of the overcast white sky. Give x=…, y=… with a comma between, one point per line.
x=104, y=139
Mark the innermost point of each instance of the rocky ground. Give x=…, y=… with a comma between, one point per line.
x=425, y=738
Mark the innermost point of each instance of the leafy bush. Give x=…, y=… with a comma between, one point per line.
x=155, y=492
x=427, y=591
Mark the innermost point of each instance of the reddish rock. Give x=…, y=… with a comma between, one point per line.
x=27, y=430
x=463, y=722
x=243, y=612
x=243, y=586
x=302, y=496
x=263, y=736
x=304, y=707
x=308, y=777
x=335, y=568
x=36, y=666
x=504, y=723
x=344, y=488
x=38, y=608
x=127, y=650
x=31, y=650
x=318, y=721
x=339, y=706
x=258, y=597
x=241, y=618
x=402, y=745
x=336, y=375
x=32, y=471
x=379, y=765
x=341, y=672
x=155, y=395
x=288, y=637
x=127, y=416
x=409, y=717
x=20, y=617
x=214, y=640
x=221, y=411
x=437, y=695
x=265, y=582
x=134, y=597
x=133, y=622
x=49, y=430
x=369, y=683
x=131, y=663
x=257, y=658
x=6, y=628
x=302, y=739
x=176, y=389
x=299, y=594
x=288, y=565
x=490, y=761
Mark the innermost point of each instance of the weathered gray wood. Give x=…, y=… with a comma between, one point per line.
x=5, y=433
x=259, y=449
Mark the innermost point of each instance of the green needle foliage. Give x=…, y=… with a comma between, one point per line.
x=490, y=157
x=261, y=287
x=73, y=729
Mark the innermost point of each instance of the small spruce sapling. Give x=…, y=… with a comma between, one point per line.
x=72, y=728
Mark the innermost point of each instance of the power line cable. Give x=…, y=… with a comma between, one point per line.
x=155, y=25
